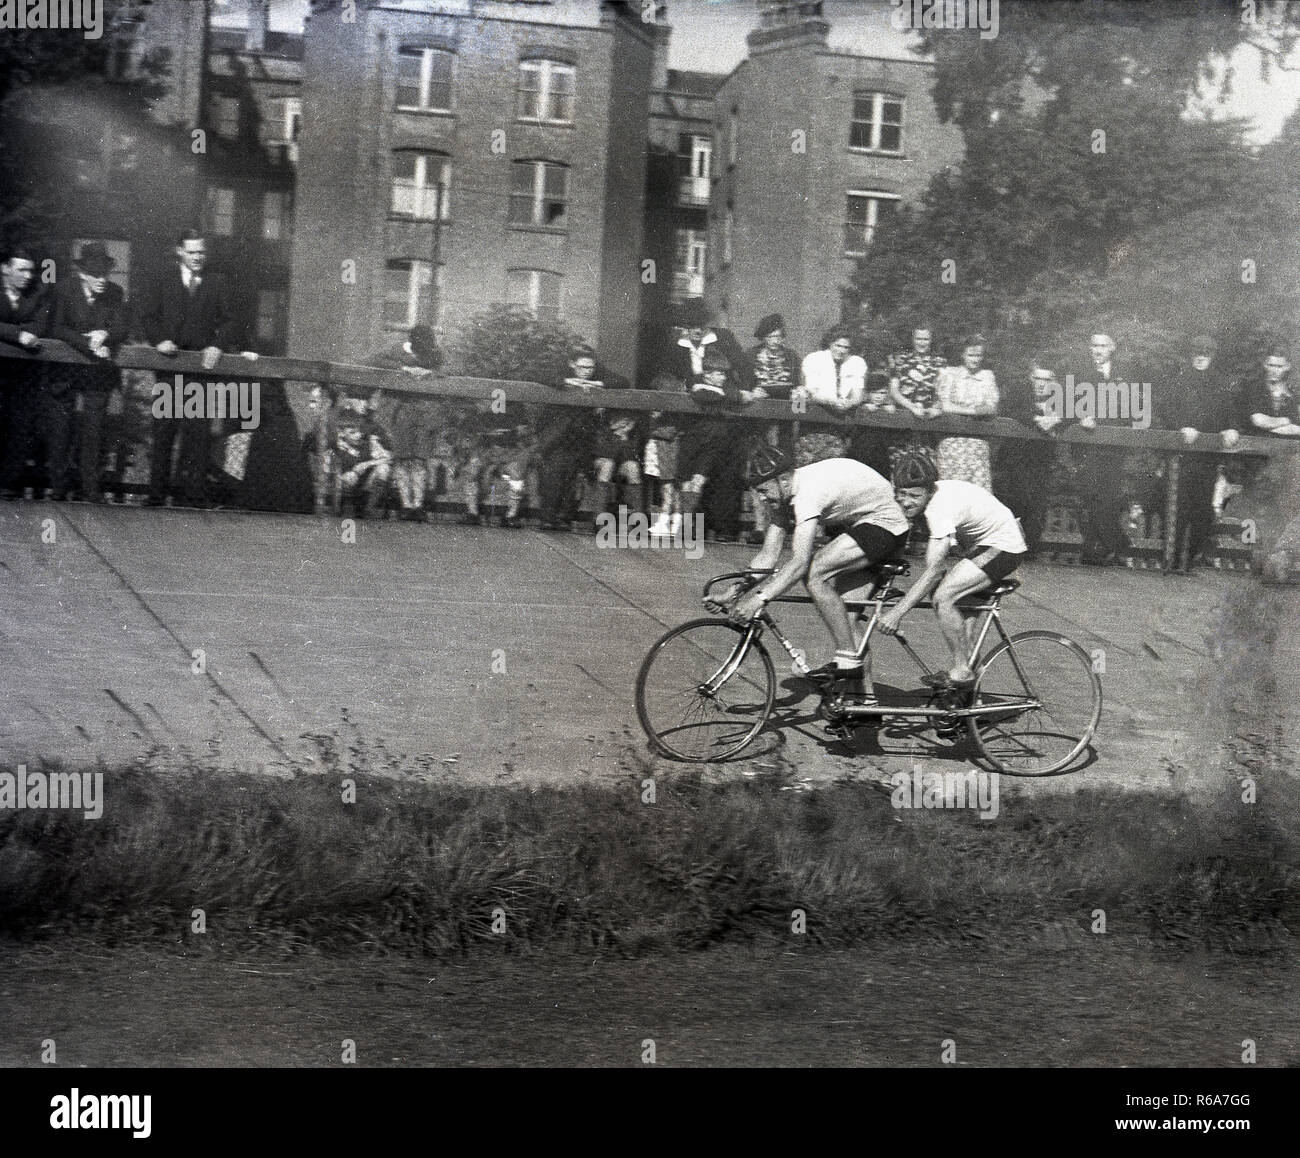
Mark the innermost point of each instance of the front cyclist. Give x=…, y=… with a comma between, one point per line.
x=964, y=516
x=864, y=524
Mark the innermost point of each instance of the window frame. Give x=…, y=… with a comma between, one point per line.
x=538, y=198
x=277, y=312
x=283, y=217
x=873, y=197
x=426, y=53
x=545, y=67
x=422, y=158
x=414, y=313
x=533, y=304
x=877, y=122
x=222, y=104
x=211, y=214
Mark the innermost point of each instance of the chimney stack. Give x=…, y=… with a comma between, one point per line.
x=788, y=23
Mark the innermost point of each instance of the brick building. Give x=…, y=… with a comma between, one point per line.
x=465, y=153
x=813, y=150
x=192, y=124
x=433, y=157
x=252, y=107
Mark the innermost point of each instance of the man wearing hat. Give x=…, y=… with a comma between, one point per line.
x=187, y=310
x=90, y=316
x=1199, y=399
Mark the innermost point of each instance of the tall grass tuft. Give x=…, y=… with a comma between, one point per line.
x=434, y=869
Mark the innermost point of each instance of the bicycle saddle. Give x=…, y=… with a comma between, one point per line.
x=1004, y=588
x=891, y=569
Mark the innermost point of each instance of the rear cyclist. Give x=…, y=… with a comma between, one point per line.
x=865, y=527
x=963, y=516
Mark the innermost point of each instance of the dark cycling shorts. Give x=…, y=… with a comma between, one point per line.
x=997, y=565
x=877, y=544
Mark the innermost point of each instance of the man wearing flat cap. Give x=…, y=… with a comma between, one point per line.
x=90, y=316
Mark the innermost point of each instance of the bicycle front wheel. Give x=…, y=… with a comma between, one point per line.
x=1052, y=701
x=703, y=692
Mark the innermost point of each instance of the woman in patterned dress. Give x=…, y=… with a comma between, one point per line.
x=913, y=388
x=972, y=391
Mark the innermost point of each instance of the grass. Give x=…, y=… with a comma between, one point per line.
x=416, y=868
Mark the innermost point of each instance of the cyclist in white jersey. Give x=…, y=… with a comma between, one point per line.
x=966, y=517
x=864, y=525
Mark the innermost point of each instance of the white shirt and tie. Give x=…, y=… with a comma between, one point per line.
x=834, y=383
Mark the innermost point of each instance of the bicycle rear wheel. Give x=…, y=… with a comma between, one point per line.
x=1053, y=674
x=702, y=693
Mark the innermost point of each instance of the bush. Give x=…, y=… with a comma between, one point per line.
x=509, y=342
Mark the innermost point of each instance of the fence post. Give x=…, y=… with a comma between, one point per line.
x=1171, y=510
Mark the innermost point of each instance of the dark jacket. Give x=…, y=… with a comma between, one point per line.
x=32, y=314
x=74, y=317
x=1254, y=397
x=1121, y=370
x=1024, y=405
x=1201, y=399
x=194, y=321
x=675, y=363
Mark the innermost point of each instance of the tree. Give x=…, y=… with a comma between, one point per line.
x=1086, y=191
x=76, y=144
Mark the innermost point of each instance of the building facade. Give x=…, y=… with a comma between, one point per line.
x=462, y=154
x=402, y=161
x=813, y=151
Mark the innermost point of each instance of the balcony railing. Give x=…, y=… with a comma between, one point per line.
x=693, y=191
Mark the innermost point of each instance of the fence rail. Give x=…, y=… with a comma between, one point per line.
x=233, y=367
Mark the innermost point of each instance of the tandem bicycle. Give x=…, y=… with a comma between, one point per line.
x=707, y=688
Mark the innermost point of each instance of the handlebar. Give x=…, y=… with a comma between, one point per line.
x=751, y=576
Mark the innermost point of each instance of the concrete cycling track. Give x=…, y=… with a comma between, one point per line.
x=495, y=656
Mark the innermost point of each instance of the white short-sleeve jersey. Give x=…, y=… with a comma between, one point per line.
x=974, y=516
x=844, y=492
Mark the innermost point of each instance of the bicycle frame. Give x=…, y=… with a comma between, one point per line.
x=878, y=597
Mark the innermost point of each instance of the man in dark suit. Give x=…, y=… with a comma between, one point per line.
x=188, y=310
x=1200, y=399
x=90, y=315
x=24, y=320
x=1113, y=478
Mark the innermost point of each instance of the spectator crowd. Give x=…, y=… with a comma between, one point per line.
x=62, y=430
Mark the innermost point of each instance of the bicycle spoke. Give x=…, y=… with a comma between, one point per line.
x=1057, y=676
x=702, y=693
